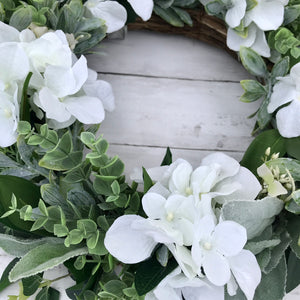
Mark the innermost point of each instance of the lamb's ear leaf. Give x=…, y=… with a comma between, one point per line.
x=43, y=258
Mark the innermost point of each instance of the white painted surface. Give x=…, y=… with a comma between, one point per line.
x=170, y=91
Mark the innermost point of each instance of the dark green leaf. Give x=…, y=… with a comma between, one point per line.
x=148, y=183
x=281, y=68
x=293, y=276
x=150, y=273
x=26, y=193
x=47, y=293
x=293, y=147
x=4, y=281
x=253, y=157
x=169, y=16
x=31, y=284
x=293, y=228
x=167, y=158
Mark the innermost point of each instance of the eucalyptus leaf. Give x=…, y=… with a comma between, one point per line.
x=43, y=258
x=253, y=62
x=169, y=16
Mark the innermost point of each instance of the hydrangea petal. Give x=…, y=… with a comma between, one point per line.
x=283, y=92
x=260, y=44
x=143, y=8
x=88, y=110
x=236, y=13
x=235, y=41
x=205, y=292
x=246, y=271
x=180, y=179
x=216, y=268
x=126, y=243
x=54, y=109
x=288, y=121
x=8, y=33
x=111, y=12
x=229, y=166
x=154, y=205
x=268, y=15
x=229, y=237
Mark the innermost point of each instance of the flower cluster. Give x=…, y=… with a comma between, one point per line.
x=114, y=14
x=60, y=86
x=184, y=213
x=287, y=91
x=248, y=20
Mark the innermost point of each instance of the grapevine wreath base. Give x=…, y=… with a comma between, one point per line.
x=224, y=230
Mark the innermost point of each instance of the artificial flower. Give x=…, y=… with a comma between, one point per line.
x=100, y=89
x=266, y=14
x=274, y=187
x=218, y=248
x=253, y=37
x=175, y=286
x=236, y=12
x=114, y=14
x=286, y=90
x=9, y=117
x=60, y=97
x=219, y=176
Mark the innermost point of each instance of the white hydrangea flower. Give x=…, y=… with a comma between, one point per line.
x=264, y=16
x=286, y=90
x=176, y=285
x=219, y=176
x=60, y=96
x=114, y=14
x=9, y=117
x=217, y=247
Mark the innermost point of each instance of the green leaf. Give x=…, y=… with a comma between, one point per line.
x=4, y=281
x=183, y=15
x=169, y=16
x=284, y=164
x=21, y=18
x=253, y=90
x=61, y=158
x=60, y=230
x=24, y=127
x=167, y=158
x=115, y=187
x=80, y=262
x=150, y=273
x=272, y=285
x=253, y=156
x=254, y=215
x=214, y=7
x=75, y=237
x=293, y=147
x=47, y=293
x=19, y=247
x=80, y=198
x=26, y=193
x=281, y=68
x=293, y=277
x=43, y=258
x=293, y=228
x=31, y=284
x=148, y=183
x=253, y=62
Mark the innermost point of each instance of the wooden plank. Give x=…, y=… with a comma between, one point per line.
x=178, y=113
x=149, y=157
x=154, y=54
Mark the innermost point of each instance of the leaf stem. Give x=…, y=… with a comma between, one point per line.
x=24, y=109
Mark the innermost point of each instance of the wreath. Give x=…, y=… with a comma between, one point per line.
x=225, y=230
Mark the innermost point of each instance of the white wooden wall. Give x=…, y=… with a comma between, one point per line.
x=170, y=91
x=176, y=92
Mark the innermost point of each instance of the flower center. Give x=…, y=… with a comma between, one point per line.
x=170, y=217
x=189, y=191
x=207, y=246
x=7, y=113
